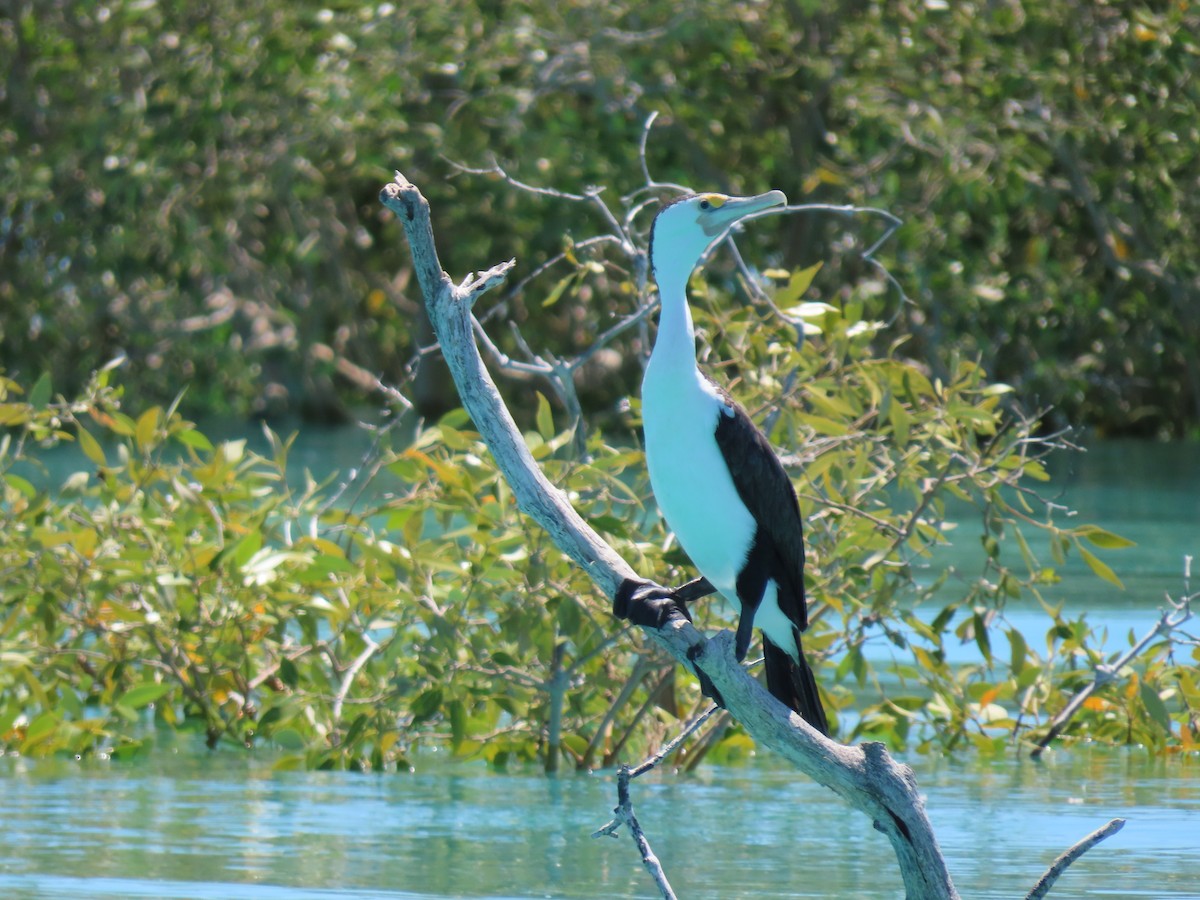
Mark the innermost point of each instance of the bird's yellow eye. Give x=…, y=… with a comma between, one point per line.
x=712, y=201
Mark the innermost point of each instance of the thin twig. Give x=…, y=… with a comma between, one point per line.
x=1073, y=853
x=650, y=183
x=624, y=813
x=672, y=745
x=651, y=763
x=351, y=673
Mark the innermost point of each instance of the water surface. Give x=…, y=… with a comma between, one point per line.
x=208, y=826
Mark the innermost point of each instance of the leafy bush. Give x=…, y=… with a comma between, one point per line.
x=348, y=625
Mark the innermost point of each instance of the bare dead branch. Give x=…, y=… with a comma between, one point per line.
x=1070, y=855
x=624, y=813
x=351, y=673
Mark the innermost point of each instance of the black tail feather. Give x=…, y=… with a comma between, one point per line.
x=792, y=683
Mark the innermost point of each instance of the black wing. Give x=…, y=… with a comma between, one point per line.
x=763, y=485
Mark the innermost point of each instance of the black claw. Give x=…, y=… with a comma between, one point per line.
x=648, y=604
x=694, y=590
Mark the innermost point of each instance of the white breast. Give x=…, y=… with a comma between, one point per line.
x=690, y=479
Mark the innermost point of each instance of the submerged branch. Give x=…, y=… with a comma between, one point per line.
x=625, y=816
x=1070, y=855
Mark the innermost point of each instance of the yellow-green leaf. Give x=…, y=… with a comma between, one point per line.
x=823, y=425
x=39, y=730
x=147, y=428
x=13, y=413
x=995, y=390
x=1103, y=538
x=545, y=417
x=91, y=447
x=797, y=285
x=559, y=289
x=1098, y=566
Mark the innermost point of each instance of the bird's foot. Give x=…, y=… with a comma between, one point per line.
x=648, y=604
x=652, y=605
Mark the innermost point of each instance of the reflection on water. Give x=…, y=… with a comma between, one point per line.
x=223, y=826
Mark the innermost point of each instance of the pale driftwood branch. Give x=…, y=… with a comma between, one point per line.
x=1070, y=855
x=864, y=775
x=449, y=308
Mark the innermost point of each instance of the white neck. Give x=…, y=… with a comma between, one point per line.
x=675, y=345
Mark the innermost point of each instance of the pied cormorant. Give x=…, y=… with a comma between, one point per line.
x=718, y=483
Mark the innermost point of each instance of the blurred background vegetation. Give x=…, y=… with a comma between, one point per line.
x=193, y=184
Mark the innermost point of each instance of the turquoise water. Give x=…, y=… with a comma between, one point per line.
x=1148, y=493
x=220, y=826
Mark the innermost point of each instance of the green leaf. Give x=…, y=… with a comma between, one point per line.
x=289, y=739
x=570, y=619
x=1155, y=707
x=576, y=743
x=1020, y=650
x=426, y=704
x=1104, y=539
x=91, y=447
x=357, y=727
x=983, y=638
x=39, y=394
x=458, y=722
x=243, y=551
x=142, y=694
x=190, y=437
x=797, y=285
x=545, y=417
x=1099, y=566
x=22, y=485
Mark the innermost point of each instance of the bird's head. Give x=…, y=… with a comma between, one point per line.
x=685, y=228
